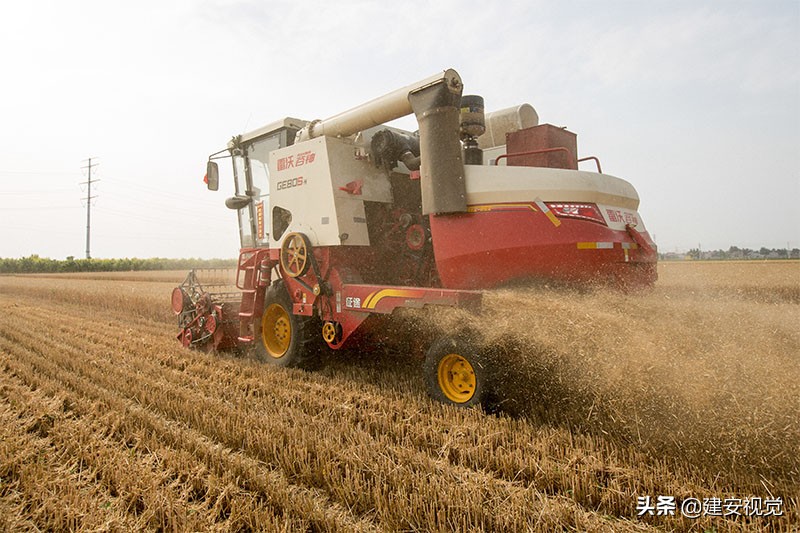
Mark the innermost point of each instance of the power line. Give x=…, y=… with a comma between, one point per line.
x=160, y=192
x=39, y=172
x=152, y=219
x=40, y=207
x=165, y=204
x=89, y=199
x=35, y=193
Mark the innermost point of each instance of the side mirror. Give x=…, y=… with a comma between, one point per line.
x=212, y=176
x=237, y=202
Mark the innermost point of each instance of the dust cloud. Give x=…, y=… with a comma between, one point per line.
x=701, y=369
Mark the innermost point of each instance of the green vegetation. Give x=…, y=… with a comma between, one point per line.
x=734, y=252
x=36, y=264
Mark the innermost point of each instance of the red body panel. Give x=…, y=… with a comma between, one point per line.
x=488, y=247
x=492, y=247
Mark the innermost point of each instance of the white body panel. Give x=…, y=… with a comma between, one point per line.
x=287, y=122
x=307, y=179
x=504, y=121
x=615, y=197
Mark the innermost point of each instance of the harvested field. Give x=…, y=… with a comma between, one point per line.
x=691, y=390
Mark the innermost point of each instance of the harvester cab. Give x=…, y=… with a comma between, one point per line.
x=346, y=218
x=249, y=155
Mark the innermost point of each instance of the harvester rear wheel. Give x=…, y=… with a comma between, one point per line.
x=285, y=339
x=456, y=373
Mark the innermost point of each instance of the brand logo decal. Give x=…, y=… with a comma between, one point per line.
x=294, y=182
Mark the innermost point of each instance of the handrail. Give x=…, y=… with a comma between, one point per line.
x=543, y=151
x=559, y=149
x=243, y=265
x=599, y=170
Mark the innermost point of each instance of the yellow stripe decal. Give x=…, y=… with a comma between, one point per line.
x=547, y=212
x=373, y=299
x=595, y=245
x=485, y=208
x=368, y=298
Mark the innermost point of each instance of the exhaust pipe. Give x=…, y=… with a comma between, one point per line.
x=435, y=102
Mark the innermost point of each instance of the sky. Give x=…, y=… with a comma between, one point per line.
x=696, y=103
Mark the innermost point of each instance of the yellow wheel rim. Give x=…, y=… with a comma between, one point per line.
x=456, y=378
x=329, y=332
x=276, y=331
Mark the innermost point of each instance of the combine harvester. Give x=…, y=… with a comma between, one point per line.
x=346, y=218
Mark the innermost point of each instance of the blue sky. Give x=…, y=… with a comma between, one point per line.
x=697, y=104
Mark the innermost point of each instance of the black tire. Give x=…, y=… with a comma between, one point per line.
x=289, y=340
x=457, y=372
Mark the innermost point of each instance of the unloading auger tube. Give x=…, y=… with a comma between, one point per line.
x=435, y=101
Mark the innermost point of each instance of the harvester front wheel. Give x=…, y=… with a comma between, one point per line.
x=457, y=373
x=285, y=339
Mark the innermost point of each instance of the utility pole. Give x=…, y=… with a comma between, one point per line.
x=89, y=199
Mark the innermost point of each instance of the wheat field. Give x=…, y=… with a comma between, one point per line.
x=691, y=390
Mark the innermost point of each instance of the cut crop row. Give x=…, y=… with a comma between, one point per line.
x=263, y=502
x=363, y=473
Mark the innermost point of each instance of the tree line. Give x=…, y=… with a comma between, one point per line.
x=734, y=252
x=35, y=264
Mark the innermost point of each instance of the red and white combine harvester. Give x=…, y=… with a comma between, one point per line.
x=346, y=218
